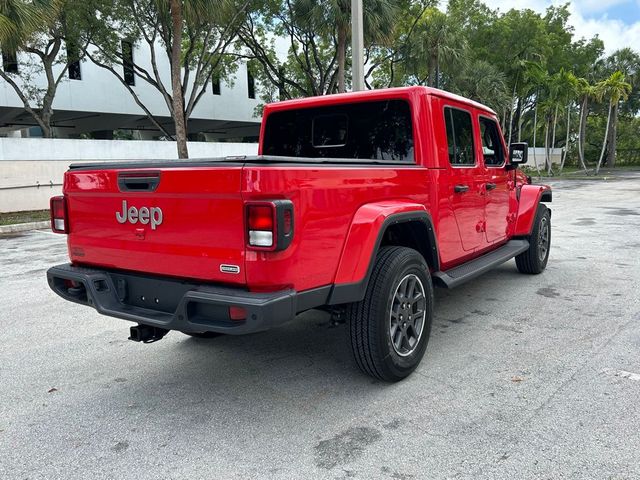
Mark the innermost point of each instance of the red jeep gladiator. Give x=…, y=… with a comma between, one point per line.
x=357, y=203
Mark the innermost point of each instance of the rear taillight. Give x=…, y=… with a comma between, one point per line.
x=261, y=224
x=59, y=220
x=269, y=225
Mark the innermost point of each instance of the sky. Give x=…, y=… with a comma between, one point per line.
x=617, y=22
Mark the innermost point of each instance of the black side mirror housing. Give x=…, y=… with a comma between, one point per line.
x=518, y=153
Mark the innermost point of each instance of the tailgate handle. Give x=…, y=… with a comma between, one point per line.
x=138, y=182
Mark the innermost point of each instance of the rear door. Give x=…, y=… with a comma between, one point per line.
x=183, y=221
x=497, y=180
x=466, y=175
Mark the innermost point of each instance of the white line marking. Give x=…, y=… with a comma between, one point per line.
x=622, y=374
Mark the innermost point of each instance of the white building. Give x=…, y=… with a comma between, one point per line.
x=98, y=103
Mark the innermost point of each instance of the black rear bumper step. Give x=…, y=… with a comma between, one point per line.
x=470, y=270
x=173, y=304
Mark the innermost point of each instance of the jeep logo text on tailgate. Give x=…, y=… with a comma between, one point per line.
x=144, y=215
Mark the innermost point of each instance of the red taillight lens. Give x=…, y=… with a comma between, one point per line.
x=261, y=217
x=59, y=221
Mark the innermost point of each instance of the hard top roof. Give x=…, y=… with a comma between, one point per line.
x=379, y=94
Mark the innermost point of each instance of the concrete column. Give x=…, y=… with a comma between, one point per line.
x=357, y=47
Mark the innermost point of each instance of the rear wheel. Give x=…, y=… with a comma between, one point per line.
x=389, y=329
x=534, y=260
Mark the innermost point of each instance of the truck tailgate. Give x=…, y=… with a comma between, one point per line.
x=181, y=221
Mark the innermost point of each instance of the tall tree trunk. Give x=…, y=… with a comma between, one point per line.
x=612, y=140
x=46, y=112
x=535, y=130
x=513, y=101
x=342, y=56
x=45, y=126
x=176, y=81
x=555, y=123
x=566, y=141
x=432, y=69
x=604, y=142
x=517, y=122
x=582, y=133
x=547, y=153
x=520, y=115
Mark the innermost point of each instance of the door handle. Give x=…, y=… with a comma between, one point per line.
x=461, y=188
x=491, y=186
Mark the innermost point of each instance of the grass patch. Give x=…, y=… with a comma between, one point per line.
x=24, y=217
x=574, y=172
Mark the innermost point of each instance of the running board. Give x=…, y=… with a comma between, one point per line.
x=474, y=268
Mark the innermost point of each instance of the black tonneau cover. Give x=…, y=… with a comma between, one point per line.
x=232, y=161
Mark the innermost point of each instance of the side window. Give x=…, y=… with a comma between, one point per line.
x=491, y=143
x=459, y=137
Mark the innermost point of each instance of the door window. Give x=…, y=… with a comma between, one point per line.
x=491, y=143
x=459, y=137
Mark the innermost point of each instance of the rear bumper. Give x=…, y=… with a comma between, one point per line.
x=172, y=304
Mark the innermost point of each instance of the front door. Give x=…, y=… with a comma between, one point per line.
x=466, y=178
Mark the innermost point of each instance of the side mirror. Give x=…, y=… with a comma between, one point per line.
x=518, y=153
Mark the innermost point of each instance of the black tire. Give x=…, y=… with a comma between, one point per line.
x=371, y=322
x=203, y=334
x=534, y=260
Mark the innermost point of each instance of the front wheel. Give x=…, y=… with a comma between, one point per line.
x=534, y=260
x=389, y=329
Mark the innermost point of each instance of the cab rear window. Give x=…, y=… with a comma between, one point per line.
x=366, y=130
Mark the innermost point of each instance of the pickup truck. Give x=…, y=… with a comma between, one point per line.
x=358, y=204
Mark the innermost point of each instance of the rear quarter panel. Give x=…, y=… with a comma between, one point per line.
x=326, y=198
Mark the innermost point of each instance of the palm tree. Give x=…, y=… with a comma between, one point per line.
x=436, y=40
x=568, y=91
x=586, y=91
x=20, y=19
x=548, y=107
x=481, y=81
x=333, y=17
x=23, y=26
x=614, y=88
x=535, y=130
x=535, y=80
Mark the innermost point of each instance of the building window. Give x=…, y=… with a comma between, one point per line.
x=127, y=63
x=215, y=84
x=73, y=62
x=9, y=62
x=251, y=84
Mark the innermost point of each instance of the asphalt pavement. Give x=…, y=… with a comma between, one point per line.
x=524, y=377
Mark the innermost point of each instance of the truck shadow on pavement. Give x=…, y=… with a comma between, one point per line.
x=312, y=352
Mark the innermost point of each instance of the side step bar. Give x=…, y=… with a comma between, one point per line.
x=470, y=270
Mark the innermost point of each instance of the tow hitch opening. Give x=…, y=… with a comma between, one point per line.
x=146, y=334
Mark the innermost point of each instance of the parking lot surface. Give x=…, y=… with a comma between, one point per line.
x=524, y=377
